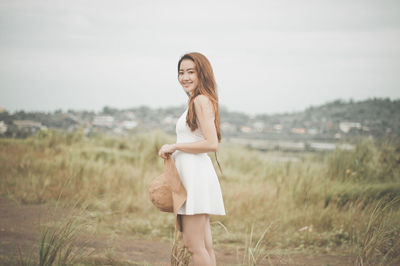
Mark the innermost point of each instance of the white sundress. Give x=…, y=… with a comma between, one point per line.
x=197, y=174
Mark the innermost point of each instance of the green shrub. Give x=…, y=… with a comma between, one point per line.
x=368, y=162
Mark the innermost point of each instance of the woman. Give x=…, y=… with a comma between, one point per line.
x=198, y=133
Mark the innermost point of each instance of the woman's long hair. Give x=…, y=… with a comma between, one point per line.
x=207, y=86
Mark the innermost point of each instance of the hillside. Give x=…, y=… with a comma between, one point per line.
x=333, y=121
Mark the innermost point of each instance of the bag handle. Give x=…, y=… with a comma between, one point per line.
x=219, y=166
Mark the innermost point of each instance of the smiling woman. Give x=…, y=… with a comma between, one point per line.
x=187, y=75
x=198, y=132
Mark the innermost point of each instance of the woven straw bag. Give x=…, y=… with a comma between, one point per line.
x=167, y=192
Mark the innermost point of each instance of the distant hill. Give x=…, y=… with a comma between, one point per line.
x=333, y=121
x=337, y=119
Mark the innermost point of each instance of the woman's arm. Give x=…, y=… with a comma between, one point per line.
x=205, y=115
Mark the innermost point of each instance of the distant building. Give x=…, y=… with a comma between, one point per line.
x=246, y=129
x=299, y=130
x=3, y=127
x=312, y=131
x=29, y=125
x=128, y=124
x=228, y=127
x=346, y=126
x=103, y=121
x=277, y=127
x=259, y=126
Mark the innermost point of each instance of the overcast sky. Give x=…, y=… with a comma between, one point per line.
x=268, y=56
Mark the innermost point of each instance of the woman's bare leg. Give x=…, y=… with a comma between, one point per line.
x=193, y=238
x=209, y=242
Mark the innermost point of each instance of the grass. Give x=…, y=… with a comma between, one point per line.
x=254, y=252
x=57, y=244
x=379, y=243
x=60, y=239
x=180, y=256
x=332, y=193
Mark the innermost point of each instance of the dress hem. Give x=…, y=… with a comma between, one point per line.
x=218, y=214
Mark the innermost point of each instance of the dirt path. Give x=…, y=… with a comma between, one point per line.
x=19, y=228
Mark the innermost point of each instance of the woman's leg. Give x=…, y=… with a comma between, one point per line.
x=193, y=238
x=209, y=242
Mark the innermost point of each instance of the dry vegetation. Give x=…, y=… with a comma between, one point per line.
x=343, y=202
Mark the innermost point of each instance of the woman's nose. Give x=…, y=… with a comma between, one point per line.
x=185, y=77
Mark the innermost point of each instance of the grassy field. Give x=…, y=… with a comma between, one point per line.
x=341, y=202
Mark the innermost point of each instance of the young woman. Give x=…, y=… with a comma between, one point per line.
x=198, y=133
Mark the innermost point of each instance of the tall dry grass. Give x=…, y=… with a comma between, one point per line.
x=321, y=203
x=61, y=239
x=180, y=255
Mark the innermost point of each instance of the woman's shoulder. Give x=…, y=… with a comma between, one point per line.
x=204, y=105
x=203, y=101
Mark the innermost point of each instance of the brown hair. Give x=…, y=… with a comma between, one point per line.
x=207, y=86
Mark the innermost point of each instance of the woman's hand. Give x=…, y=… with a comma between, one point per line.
x=166, y=150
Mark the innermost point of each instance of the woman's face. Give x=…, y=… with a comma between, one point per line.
x=187, y=75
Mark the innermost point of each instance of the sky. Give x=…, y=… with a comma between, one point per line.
x=268, y=56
